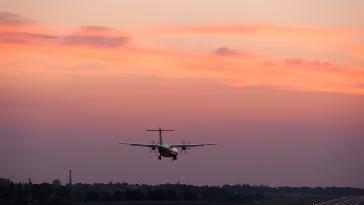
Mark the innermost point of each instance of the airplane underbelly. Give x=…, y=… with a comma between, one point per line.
x=167, y=152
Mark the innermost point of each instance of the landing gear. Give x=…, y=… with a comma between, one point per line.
x=174, y=158
x=159, y=157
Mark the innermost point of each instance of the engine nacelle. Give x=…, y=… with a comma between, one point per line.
x=174, y=150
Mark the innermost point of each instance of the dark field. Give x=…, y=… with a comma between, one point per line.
x=282, y=200
x=288, y=200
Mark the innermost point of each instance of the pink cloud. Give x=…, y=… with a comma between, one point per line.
x=96, y=40
x=294, y=62
x=8, y=18
x=225, y=51
x=98, y=36
x=85, y=36
x=314, y=64
x=26, y=37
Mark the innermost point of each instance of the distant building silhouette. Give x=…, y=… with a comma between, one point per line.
x=4, y=181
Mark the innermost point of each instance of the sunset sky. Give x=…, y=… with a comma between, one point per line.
x=279, y=85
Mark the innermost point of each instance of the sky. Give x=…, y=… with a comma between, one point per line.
x=279, y=85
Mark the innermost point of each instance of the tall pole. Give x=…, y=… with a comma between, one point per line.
x=70, y=178
x=29, y=198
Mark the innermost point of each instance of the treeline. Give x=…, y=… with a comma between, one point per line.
x=56, y=194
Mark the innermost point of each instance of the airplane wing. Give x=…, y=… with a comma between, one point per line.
x=140, y=145
x=184, y=146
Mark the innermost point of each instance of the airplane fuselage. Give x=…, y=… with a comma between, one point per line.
x=167, y=151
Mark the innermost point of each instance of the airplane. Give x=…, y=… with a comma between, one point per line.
x=166, y=150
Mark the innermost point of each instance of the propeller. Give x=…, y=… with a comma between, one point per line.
x=184, y=149
x=153, y=149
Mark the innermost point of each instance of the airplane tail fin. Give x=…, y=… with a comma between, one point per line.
x=160, y=134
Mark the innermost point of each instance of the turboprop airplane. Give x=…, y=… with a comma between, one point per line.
x=166, y=150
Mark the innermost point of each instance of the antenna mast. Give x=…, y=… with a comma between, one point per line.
x=70, y=178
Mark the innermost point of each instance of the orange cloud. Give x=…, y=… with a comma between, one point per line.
x=356, y=50
x=259, y=29
x=117, y=52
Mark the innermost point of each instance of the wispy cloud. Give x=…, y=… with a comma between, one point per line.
x=85, y=36
x=8, y=18
x=225, y=51
x=25, y=37
x=304, y=62
x=98, y=36
x=99, y=41
x=233, y=65
x=257, y=29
